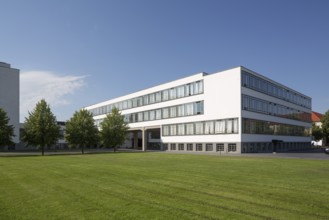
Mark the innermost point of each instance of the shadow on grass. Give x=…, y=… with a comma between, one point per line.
x=66, y=153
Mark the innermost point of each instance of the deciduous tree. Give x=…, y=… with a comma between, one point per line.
x=41, y=127
x=81, y=130
x=325, y=126
x=113, y=132
x=317, y=133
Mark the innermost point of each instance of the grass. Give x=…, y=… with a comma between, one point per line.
x=162, y=186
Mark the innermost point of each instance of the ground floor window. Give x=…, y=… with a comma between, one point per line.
x=231, y=147
x=219, y=147
x=165, y=146
x=198, y=147
x=180, y=146
x=172, y=146
x=209, y=147
x=189, y=147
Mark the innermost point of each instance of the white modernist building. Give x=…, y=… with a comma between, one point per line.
x=9, y=95
x=232, y=111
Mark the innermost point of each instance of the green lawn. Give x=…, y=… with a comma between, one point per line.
x=162, y=186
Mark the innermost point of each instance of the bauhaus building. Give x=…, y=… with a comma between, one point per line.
x=232, y=111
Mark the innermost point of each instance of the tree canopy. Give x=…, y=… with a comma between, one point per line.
x=81, y=130
x=6, y=130
x=325, y=126
x=113, y=132
x=41, y=127
x=317, y=132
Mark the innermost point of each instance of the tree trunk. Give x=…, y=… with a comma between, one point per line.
x=43, y=150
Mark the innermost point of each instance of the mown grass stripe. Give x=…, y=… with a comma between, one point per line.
x=162, y=186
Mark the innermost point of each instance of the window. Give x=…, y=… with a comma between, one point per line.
x=140, y=116
x=220, y=127
x=152, y=98
x=172, y=146
x=146, y=116
x=229, y=126
x=219, y=147
x=135, y=103
x=173, y=130
x=165, y=130
x=165, y=113
x=125, y=105
x=130, y=103
x=109, y=109
x=198, y=87
x=180, y=146
x=189, y=147
x=235, y=126
x=158, y=114
x=187, y=90
x=199, y=128
x=140, y=101
x=198, y=108
x=165, y=146
x=261, y=85
x=251, y=126
x=158, y=97
x=126, y=118
x=180, y=110
x=189, y=129
x=231, y=147
x=191, y=89
x=181, y=129
x=165, y=95
x=146, y=99
x=198, y=147
x=152, y=115
x=209, y=127
x=245, y=102
x=265, y=107
x=173, y=111
x=189, y=109
x=209, y=147
x=180, y=92
x=172, y=93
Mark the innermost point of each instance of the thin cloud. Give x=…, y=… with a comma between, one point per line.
x=54, y=88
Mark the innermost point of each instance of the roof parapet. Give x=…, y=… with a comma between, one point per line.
x=2, y=64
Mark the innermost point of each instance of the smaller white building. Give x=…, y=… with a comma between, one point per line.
x=9, y=95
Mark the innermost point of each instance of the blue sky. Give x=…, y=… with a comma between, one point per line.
x=76, y=53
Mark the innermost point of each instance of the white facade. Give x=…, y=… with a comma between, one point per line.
x=216, y=112
x=9, y=95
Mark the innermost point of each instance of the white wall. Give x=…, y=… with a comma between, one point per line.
x=222, y=100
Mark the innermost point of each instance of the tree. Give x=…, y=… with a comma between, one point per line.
x=113, y=132
x=41, y=127
x=6, y=130
x=317, y=132
x=325, y=126
x=81, y=130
